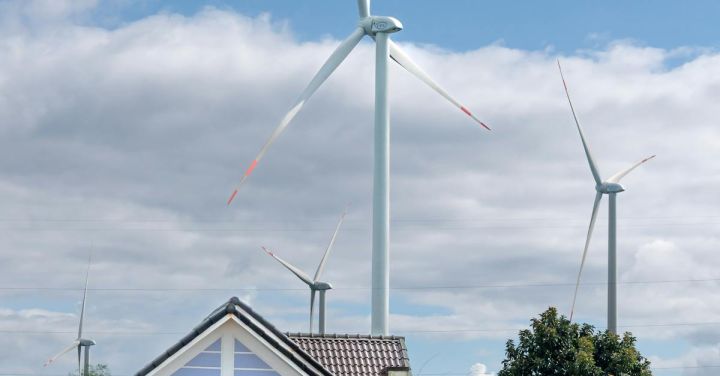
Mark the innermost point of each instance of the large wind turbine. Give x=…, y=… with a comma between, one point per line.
x=79, y=342
x=610, y=187
x=315, y=284
x=379, y=28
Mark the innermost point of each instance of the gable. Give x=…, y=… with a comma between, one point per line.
x=228, y=348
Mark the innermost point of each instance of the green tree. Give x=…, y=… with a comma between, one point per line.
x=95, y=370
x=554, y=346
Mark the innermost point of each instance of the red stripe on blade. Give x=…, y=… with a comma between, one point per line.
x=251, y=168
x=232, y=197
x=465, y=110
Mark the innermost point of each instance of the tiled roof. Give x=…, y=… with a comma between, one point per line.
x=354, y=355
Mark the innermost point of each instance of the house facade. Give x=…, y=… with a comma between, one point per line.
x=236, y=341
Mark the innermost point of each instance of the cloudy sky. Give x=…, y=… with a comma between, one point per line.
x=125, y=124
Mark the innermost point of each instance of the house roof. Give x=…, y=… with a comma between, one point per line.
x=257, y=324
x=354, y=355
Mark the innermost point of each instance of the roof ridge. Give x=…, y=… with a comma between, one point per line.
x=343, y=336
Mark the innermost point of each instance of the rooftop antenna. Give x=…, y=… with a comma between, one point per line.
x=378, y=28
x=610, y=187
x=79, y=342
x=315, y=284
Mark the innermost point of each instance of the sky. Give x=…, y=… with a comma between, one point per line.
x=125, y=124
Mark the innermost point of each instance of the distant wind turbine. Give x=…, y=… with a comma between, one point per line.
x=610, y=187
x=315, y=284
x=79, y=342
x=378, y=28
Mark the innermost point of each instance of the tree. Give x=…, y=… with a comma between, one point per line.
x=554, y=346
x=95, y=370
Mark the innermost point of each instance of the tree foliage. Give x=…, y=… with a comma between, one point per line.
x=554, y=346
x=95, y=370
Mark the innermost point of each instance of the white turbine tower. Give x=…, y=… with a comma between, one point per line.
x=315, y=284
x=79, y=342
x=610, y=187
x=379, y=28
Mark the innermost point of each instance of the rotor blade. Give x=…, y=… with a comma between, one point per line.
x=616, y=178
x=591, y=161
x=82, y=308
x=80, y=373
x=61, y=353
x=312, y=307
x=363, y=8
x=320, y=268
x=299, y=273
x=598, y=197
x=337, y=57
x=400, y=57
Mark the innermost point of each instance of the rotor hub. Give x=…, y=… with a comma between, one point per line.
x=380, y=24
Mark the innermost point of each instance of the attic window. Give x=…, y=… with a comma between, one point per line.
x=206, y=363
x=249, y=364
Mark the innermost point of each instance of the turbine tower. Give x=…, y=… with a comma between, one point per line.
x=610, y=187
x=79, y=342
x=379, y=28
x=315, y=284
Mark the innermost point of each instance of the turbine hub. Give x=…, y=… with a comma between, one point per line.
x=606, y=187
x=322, y=286
x=86, y=342
x=380, y=24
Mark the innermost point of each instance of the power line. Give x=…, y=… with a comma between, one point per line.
x=348, y=229
x=489, y=285
x=448, y=331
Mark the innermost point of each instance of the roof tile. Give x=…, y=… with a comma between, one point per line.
x=354, y=355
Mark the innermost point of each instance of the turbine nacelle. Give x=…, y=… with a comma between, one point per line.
x=322, y=286
x=380, y=24
x=607, y=187
x=86, y=342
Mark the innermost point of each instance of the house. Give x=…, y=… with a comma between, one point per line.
x=236, y=341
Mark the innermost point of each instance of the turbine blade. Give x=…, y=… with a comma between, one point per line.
x=61, y=353
x=299, y=273
x=616, y=178
x=80, y=372
x=591, y=161
x=400, y=57
x=337, y=57
x=598, y=197
x=82, y=308
x=312, y=307
x=363, y=8
x=321, y=267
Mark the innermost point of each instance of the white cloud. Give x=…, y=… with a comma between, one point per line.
x=127, y=142
x=479, y=369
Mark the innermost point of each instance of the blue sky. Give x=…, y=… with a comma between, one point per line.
x=189, y=98
x=461, y=25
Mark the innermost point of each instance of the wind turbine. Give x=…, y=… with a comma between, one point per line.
x=79, y=342
x=610, y=187
x=315, y=284
x=379, y=28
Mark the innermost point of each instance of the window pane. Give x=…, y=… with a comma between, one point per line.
x=214, y=347
x=255, y=373
x=197, y=372
x=239, y=347
x=249, y=361
x=205, y=360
